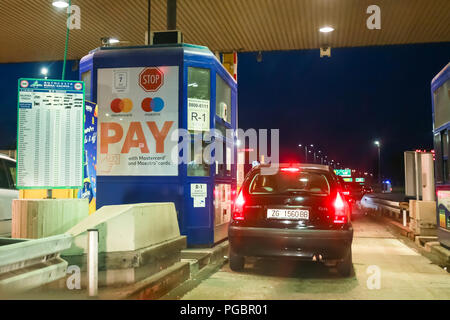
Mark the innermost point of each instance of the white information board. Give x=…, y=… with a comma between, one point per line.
x=198, y=114
x=199, y=194
x=138, y=112
x=50, y=134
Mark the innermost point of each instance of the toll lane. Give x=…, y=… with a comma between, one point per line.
x=404, y=274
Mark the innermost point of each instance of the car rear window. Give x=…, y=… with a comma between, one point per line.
x=285, y=182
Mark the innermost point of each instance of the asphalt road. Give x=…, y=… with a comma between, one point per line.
x=403, y=274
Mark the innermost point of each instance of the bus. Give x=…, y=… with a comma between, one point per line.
x=440, y=92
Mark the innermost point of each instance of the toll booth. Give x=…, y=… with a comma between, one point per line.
x=440, y=89
x=386, y=186
x=144, y=94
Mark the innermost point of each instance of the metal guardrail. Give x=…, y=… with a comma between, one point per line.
x=375, y=203
x=17, y=251
x=398, y=208
x=29, y=263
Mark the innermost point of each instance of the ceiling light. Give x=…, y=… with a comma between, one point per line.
x=259, y=56
x=326, y=29
x=60, y=4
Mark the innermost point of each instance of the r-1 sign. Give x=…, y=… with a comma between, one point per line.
x=198, y=114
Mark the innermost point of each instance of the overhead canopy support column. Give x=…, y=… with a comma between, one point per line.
x=171, y=14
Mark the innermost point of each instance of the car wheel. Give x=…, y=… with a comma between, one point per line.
x=345, y=267
x=236, y=262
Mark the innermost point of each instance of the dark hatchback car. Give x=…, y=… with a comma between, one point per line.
x=297, y=213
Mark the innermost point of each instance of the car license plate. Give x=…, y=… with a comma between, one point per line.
x=294, y=214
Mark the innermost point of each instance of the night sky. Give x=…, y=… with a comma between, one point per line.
x=340, y=104
x=343, y=103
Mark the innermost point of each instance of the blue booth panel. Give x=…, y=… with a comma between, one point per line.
x=144, y=95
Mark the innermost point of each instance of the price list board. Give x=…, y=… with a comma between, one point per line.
x=50, y=134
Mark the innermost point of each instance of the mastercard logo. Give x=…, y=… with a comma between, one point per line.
x=121, y=105
x=152, y=104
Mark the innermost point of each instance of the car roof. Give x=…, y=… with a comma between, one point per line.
x=4, y=156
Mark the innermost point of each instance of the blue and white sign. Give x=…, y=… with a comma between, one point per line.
x=50, y=131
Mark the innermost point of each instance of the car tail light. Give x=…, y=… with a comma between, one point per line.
x=292, y=170
x=340, y=216
x=346, y=193
x=238, y=213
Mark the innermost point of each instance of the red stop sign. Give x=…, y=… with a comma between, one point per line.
x=151, y=79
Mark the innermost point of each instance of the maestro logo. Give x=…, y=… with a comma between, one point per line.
x=151, y=79
x=152, y=104
x=24, y=84
x=121, y=105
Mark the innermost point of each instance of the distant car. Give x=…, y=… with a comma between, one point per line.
x=8, y=192
x=297, y=213
x=367, y=189
x=356, y=191
x=345, y=187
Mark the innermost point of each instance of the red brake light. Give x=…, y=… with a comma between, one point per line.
x=238, y=213
x=340, y=216
x=290, y=170
x=338, y=203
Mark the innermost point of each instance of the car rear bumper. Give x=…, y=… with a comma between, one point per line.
x=296, y=244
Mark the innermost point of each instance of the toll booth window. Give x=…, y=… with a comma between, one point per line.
x=199, y=89
x=197, y=167
x=199, y=84
x=223, y=167
x=223, y=99
x=441, y=105
x=86, y=77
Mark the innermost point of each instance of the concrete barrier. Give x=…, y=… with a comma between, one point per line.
x=423, y=217
x=40, y=218
x=135, y=241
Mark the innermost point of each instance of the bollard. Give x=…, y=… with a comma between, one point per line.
x=404, y=217
x=92, y=262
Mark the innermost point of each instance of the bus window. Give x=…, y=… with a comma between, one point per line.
x=445, y=160
x=441, y=102
x=438, y=172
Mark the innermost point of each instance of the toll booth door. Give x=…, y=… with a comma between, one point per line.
x=222, y=210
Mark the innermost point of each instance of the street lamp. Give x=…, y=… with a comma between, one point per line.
x=378, y=144
x=44, y=72
x=306, y=151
